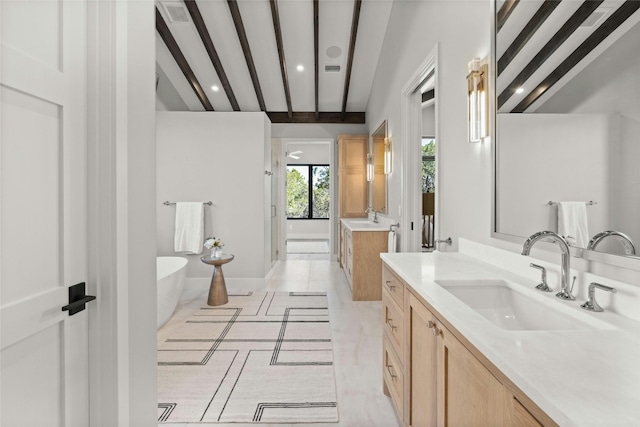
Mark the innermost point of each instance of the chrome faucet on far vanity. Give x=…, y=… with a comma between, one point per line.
x=375, y=214
x=565, y=290
x=629, y=248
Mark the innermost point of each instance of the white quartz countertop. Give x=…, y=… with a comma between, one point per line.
x=578, y=377
x=363, y=224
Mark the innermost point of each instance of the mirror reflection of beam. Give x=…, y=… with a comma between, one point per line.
x=609, y=26
x=572, y=24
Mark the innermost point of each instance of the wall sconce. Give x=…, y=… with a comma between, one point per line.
x=478, y=108
x=369, y=167
x=387, y=156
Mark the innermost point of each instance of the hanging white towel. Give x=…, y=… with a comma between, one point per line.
x=391, y=242
x=189, y=235
x=572, y=223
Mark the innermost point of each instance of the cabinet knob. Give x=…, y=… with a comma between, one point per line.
x=390, y=285
x=432, y=325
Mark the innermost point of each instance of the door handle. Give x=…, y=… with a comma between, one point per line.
x=77, y=299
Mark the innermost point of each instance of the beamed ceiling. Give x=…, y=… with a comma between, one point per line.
x=542, y=44
x=251, y=49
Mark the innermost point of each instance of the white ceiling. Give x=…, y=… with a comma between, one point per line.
x=296, y=21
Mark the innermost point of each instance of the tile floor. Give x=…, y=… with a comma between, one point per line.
x=357, y=342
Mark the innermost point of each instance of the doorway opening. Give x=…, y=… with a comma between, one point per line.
x=419, y=118
x=308, y=199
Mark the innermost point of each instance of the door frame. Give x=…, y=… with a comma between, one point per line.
x=411, y=128
x=122, y=212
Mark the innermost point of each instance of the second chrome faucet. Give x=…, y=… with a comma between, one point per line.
x=565, y=289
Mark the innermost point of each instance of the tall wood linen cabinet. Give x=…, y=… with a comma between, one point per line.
x=353, y=190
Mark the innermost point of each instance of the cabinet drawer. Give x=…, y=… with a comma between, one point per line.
x=393, y=324
x=394, y=287
x=393, y=377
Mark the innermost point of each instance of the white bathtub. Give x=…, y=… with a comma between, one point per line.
x=170, y=274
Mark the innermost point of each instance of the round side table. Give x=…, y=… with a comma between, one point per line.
x=218, y=289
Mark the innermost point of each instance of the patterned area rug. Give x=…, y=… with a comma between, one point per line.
x=307, y=247
x=264, y=357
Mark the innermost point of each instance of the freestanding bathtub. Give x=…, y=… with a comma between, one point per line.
x=170, y=274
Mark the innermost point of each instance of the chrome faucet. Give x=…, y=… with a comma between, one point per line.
x=629, y=248
x=565, y=290
x=375, y=214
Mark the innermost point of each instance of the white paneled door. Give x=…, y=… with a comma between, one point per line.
x=43, y=212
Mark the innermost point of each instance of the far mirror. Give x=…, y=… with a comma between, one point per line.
x=567, y=94
x=378, y=187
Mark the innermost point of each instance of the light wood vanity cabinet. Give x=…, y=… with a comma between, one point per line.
x=447, y=382
x=361, y=262
x=394, y=340
x=353, y=189
x=363, y=265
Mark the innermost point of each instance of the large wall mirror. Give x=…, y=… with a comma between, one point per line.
x=378, y=183
x=567, y=99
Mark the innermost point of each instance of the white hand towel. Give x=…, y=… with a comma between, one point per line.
x=391, y=242
x=572, y=223
x=189, y=235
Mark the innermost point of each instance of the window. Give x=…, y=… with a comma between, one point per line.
x=308, y=191
x=428, y=164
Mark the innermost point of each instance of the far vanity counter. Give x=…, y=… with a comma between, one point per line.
x=577, y=377
x=360, y=245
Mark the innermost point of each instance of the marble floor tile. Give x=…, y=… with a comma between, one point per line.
x=357, y=330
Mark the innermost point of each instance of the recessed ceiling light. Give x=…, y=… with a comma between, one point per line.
x=215, y=88
x=300, y=67
x=520, y=90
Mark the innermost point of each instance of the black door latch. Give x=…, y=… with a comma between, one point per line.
x=77, y=299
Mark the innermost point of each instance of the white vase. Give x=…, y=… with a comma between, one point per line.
x=216, y=252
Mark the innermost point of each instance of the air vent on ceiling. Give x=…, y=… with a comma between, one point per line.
x=331, y=68
x=176, y=11
x=595, y=17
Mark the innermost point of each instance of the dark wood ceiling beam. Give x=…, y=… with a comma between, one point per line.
x=616, y=19
x=428, y=95
x=275, y=16
x=505, y=11
x=172, y=45
x=316, y=61
x=572, y=24
x=201, y=27
x=527, y=32
x=352, y=47
x=322, y=117
x=244, y=42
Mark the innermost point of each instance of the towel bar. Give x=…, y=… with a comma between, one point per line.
x=589, y=203
x=167, y=203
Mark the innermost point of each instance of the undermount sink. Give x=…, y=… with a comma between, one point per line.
x=510, y=309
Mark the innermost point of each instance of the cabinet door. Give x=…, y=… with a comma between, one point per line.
x=468, y=394
x=422, y=361
x=353, y=185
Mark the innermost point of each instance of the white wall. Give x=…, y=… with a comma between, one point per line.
x=461, y=30
x=221, y=157
x=312, y=153
x=429, y=120
x=296, y=130
x=544, y=162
